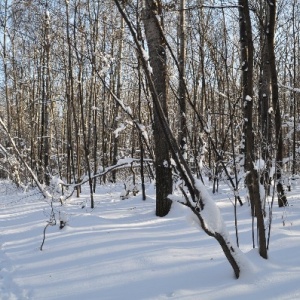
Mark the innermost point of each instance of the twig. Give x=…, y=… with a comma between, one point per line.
x=51, y=222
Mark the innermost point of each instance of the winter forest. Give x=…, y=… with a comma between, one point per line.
x=176, y=101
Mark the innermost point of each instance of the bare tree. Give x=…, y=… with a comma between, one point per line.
x=271, y=24
x=198, y=202
x=182, y=85
x=158, y=63
x=46, y=100
x=5, y=64
x=252, y=179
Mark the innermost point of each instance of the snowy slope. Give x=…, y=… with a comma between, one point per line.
x=121, y=250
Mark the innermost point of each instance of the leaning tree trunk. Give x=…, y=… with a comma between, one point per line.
x=198, y=203
x=157, y=54
x=247, y=82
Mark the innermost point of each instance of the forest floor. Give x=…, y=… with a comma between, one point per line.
x=121, y=250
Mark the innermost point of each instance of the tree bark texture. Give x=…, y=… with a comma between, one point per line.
x=181, y=87
x=247, y=81
x=157, y=54
x=282, y=201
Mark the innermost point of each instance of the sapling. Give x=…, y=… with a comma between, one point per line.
x=51, y=222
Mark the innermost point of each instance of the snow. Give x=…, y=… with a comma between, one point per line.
x=121, y=250
x=119, y=130
x=208, y=124
x=150, y=70
x=297, y=90
x=128, y=110
x=259, y=164
x=143, y=130
x=145, y=54
x=211, y=213
x=146, y=59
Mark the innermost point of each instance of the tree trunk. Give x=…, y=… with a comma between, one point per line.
x=157, y=54
x=181, y=88
x=265, y=117
x=45, y=146
x=70, y=106
x=282, y=201
x=118, y=94
x=5, y=61
x=247, y=83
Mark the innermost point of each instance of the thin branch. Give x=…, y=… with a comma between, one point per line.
x=127, y=110
x=128, y=164
x=51, y=222
x=211, y=7
x=109, y=169
x=296, y=90
x=33, y=175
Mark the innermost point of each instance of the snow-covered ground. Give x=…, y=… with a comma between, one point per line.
x=121, y=250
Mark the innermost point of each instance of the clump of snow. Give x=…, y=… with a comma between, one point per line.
x=150, y=70
x=145, y=54
x=165, y=164
x=56, y=181
x=126, y=160
x=259, y=164
x=208, y=124
x=202, y=155
x=211, y=213
x=128, y=110
x=172, y=162
x=119, y=129
x=272, y=171
x=143, y=130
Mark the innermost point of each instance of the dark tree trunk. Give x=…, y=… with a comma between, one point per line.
x=157, y=54
x=264, y=103
x=282, y=201
x=181, y=88
x=247, y=81
x=5, y=67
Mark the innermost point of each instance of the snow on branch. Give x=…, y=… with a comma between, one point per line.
x=210, y=220
x=33, y=175
x=296, y=90
x=121, y=164
x=119, y=129
x=211, y=214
